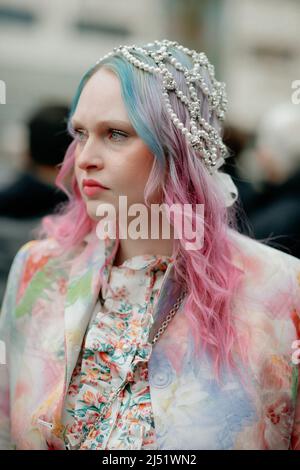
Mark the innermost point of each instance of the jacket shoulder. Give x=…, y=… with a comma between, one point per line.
x=270, y=281
x=268, y=297
x=30, y=259
x=48, y=246
x=247, y=248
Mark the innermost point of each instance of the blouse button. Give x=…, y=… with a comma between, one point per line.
x=126, y=347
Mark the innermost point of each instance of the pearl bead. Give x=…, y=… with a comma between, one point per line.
x=216, y=96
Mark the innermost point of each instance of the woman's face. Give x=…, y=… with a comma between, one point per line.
x=108, y=149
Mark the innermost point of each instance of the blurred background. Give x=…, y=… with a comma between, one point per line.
x=45, y=47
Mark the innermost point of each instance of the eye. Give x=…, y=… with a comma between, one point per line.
x=79, y=134
x=76, y=133
x=117, y=133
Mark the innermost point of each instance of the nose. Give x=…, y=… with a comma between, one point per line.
x=88, y=157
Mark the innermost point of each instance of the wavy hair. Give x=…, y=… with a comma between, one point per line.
x=209, y=274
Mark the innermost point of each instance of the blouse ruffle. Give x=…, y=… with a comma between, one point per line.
x=115, y=350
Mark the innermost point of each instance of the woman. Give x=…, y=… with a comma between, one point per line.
x=127, y=342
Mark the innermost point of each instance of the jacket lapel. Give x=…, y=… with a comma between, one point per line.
x=81, y=294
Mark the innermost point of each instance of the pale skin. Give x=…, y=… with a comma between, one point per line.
x=113, y=154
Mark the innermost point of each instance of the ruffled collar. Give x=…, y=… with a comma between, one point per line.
x=147, y=261
x=137, y=262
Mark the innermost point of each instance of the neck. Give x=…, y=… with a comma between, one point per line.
x=129, y=247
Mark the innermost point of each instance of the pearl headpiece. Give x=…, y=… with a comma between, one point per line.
x=201, y=136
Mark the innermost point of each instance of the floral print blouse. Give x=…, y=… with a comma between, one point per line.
x=115, y=349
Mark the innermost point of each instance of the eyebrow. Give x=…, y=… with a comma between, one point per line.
x=108, y=122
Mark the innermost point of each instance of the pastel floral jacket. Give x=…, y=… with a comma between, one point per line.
x=46, y=309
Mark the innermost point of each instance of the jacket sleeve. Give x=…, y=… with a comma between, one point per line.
x=6, y=321
x=295, y=435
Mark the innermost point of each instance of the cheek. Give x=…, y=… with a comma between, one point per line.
x=135, y=171
x=76, y=174
x=140, y=166
x=76, y=169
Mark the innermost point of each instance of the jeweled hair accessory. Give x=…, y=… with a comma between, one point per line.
x=201, y=135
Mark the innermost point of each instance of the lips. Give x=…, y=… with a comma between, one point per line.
x=92, y=183
x=92, y=187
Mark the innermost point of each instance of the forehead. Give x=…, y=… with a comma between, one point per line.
x=101, y=96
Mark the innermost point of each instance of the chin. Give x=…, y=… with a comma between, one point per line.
x=91, y=207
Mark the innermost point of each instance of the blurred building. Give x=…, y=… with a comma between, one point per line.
x=45, y=47
x=254, y=45
x=261, y=56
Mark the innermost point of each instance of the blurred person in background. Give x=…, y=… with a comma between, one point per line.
x=273, y=208
x=238, y=141
x=33, y=193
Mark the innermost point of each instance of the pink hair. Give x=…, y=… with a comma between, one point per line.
x=209, y=274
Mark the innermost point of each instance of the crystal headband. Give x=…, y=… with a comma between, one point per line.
x=201, y=136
